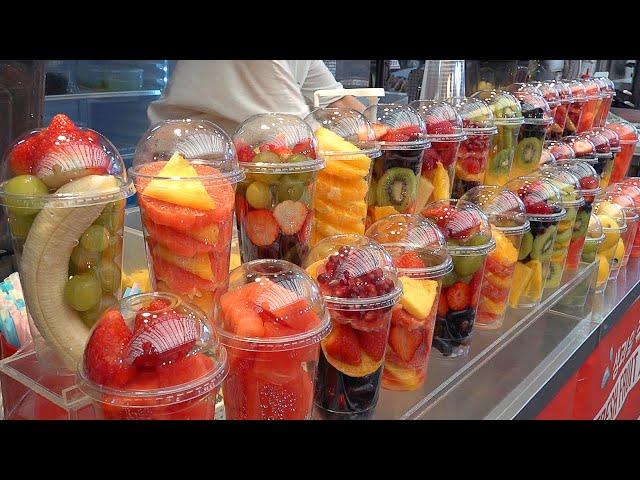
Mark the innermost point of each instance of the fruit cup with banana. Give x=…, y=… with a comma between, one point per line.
x=419, y=252
x=604, y=155
x=551, y=94
x=275, y=203
x=444, y=131
x=577, y=105
x=509, y=223
x=560, y=150
x=591, y=253
x=185, y=173
x=153, y=358
x=64, y=189
x=625, y=197
x=557, y=128
x=468, y=235
x=346, y=141
x=614, y=226
x=607, y=91
x=628, y=136
x=594, y=99
x=631, y=186
x=543, y=206
x=271, y=321
x=402, y=136
x=361, y=288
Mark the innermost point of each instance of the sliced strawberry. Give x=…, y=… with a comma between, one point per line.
x=411, y=131
x=405, y=342
x=342, y=344
x=458, y=296
x=401, y=317
x=495, y=266
x=379, y=130
x=261, y=227
x=537, y=207
x=443, y=306
x=429, y=160
x=290, y=216
x=244, y=151
x=588, y=183
x=395, y=137
x=437, y=126
x=410, y=260
x=282, y=152
x=373, y=343
x=305, y=147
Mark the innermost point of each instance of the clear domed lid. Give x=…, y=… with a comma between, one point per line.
x=578, y=92
x=560, y=150
x=611, y=136
x=625, y=130
x=603, y=207
x=594, y=230
x=416, y=245
x=441, y=119
x=503, y=208
x=504, y=106
x=635, y=181
x=607, y=87
x=542, y=200
x=586, y=174
x=156, y=350
x=600, y=143
x=591, y=88
x=270, y=305
x=477, y=117
x=630, y=188
x=549, y=92
x=535, y=109
x=354, y=272
x=563, y=89
x=63, y=165
x=622, y=198
x=583, y=147
x=546, y=157
x=343, y=132
x=566, y=182
x=397, y=127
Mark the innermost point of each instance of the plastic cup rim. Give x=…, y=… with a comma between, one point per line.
x=233, y=177
x=472, y=250
x=551, y=217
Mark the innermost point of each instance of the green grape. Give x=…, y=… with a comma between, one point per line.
x=91, y=316
x=110, y=277
x=25, y=185
x=82, y=260
x=20, y=225
x=82, y=292
x=266, y=157
x=305, y=177
x=259, y=195
x=112, y=217
x=289, y=189
x=96, y=238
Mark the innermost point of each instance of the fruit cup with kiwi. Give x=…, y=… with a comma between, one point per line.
x=577, y=105
x=592, y=253
x=614, y=226
x=594, y=99
x=543, y=206
x=557, y=128
x=419, y=252
x=361, y=288
x=401, y=134
x=346, y=141
x=508, y=220
x=551, y=94
x=631, y=186
x=444, y=131
x=607, y=91
x=275, y=203
x=625, y=197
x=604, y=155
x=185, y=173
x=560, y=150
x=614, y=146
x=628, y=136
x=468, y=235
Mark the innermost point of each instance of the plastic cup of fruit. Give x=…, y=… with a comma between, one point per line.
x=271, y=321
x=594, y=98
x=419, y=252
x=608, y=91
x=592, y=253
x=64, y=190
x=615, y=228
x=628, y=136
x=585, y=151
x=557, y=128
x=185, y=173
x=633, y=192
x=469, y=241
x=625, y=198
x=346, y=141
x=560, y=150
x=614, y=147
x=577, y=105
x=551, y=94
x=603, y=154
x=274, y=204
x=401, y=134
x=543, y=206
x=154, y=358
x=358, y=280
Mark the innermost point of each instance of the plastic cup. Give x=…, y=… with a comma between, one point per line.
x=445, y=132
x=64, y=189
x=614, y=147
x=614, y=226
x=603, y=154
x=551, y=94
x=155, y=358
x=557, y=128
x=625, y=198
x=594, y=99
x=506, y=214
x=592, y=253
x=608, y=91
x=633, y=192
x=547, y=158
x=628, y=136
x=560, y=150
x=419, y=253
x=468, y=234
x=577, y=105
x=360, y=287
x=185, y=173
x=271, y=322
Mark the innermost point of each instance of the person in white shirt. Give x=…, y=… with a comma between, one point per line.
x=227, y=92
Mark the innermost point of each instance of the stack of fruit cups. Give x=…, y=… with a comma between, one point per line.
x=614, y=226
x=444, y=131
x=185, y=173
x=604, y=156
x=608, y=91
x=473, y=154
x=418, y=251
x=271, y=320
x=543, y=206
x=402, y=136
x=274, y=204
x=578, y=102
x=346, y=141
x=547, y=158
x=506, y=214
x=595, y=237
x=594, y=99
x=625, y=196
x=560, y=150
x=628, y=136
x=468, y=234
x=508, y=119
x=571, y=229
x=64, y=189
x=557, y=129
x=552, y=96
x=633, y=182
x=360, y=286
x=153, y=358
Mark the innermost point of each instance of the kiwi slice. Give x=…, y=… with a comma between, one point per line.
x=528, y=153
x=525, y=246
x=589, y=252
x=555, y=275
x=581, y=225
x=563, y=237
x=543, y=244
x=501, y=162
x=397, y=187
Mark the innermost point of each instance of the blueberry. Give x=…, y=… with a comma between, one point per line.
x=443, y=346
x=460, y=316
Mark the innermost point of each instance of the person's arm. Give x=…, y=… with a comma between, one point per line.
x=348, y=101
x=320, y=78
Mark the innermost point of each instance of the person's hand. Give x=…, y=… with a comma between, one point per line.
x=398, y=84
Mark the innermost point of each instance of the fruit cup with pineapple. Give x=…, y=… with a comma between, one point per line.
x=560, y=150
x=593, y=101
x=346, y=141
x=402, y=136
x=608, y=91
x=590, y=253
x=274, y=204
x=154, y=357
x=631, y=186
x=509, y=223
x=603, y=154
x=468, y=235
x=419, y=252
x=64, y=189
x=614, y=226
x=551, y=94
x=543, y=206
x=361, y=288
x=557, y=129
x=625, y=197
x=185, y=173
x=271, y=321
x=508, y=119
x=628, y=136
x=577, y=105
x=444, y=131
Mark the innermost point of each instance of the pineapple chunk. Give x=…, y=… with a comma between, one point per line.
x=441, y=184
x=425, y=190
x=534, y=290
x=332, y=142
x=505, y=250
x=521, y=278
x=337, y=189
x=199, y=264
x=418, y=296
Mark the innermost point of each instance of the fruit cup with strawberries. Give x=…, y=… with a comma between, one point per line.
x=444, y=131
x=64, y=189
x=468, y=235
x=615, y=228
x=508, y=220
x=153, y=358
x=418, y=250
x=271, y=321
x=185, y=173
x=551, y=94
x=577, y=105
x=560, y=150
x=402, y=136
x=585, y=151
x=346, y=141
x=631, y=186
x=593, y=100
x=557, y=129
x=625, y=196
x=607, y=91
x=274, y=204
x=603, y=153
x=359, y=282
x=594, y=238
x=628, y=136
x=543, y=206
